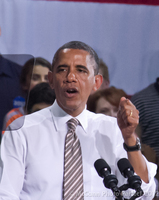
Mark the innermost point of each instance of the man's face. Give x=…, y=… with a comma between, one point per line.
x=73, y=79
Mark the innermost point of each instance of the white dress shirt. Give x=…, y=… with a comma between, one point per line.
x=32, y=157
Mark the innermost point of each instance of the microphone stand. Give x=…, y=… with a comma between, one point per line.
x=139, y=191
x=134, y=182
x=111, y=181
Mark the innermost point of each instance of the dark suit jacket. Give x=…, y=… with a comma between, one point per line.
x=9, y=86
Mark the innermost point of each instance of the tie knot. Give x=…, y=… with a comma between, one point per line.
x=72, y=123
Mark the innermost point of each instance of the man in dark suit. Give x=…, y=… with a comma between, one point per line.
x=9, y=86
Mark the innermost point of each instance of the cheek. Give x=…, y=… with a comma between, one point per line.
x=88, y=84
x=57, y=85
x=57, y=81
x=115, y=115
x=33, y=83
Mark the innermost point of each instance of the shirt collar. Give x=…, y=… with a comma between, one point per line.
x=60, y=117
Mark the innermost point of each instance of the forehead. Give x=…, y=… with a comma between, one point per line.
x=40, y=69
x=102, y=102
x=77, y=56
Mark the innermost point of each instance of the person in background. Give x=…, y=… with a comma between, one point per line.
x=147, y=102
x=34, y=71
x=103, y=70
x=41, y=96
x=52, y=155
x=106, y=101
x=9, y=86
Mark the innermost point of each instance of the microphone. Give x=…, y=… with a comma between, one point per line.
x=127, y=171
x=110, y=181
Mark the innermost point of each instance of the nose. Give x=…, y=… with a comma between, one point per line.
x=43, y=79
x=71, y=76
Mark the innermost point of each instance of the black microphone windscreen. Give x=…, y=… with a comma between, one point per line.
x=124, y=164
x=100, y=164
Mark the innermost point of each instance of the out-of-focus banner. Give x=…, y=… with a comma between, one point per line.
x=145, y=2
x=124, y=34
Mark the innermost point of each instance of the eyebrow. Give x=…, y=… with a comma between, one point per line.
x=77, y=66
x=35, y=74
x=59, y=66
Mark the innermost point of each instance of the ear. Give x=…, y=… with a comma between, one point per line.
x=50, y=78
x=98, y=82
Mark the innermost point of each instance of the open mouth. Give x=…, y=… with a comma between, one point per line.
x=70, y=92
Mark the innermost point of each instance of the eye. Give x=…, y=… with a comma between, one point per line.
x=35, y=77
x=116, y=109
x=61, y=69
x=104, y=111
x=82, y=71
x=46, y=77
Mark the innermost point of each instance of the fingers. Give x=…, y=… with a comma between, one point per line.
x=126, y=105
x=128, y=112
x=124, y=101
x=131, y=113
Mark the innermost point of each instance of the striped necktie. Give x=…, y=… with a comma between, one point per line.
x=73, y=169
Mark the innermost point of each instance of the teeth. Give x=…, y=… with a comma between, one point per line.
x=71, y=90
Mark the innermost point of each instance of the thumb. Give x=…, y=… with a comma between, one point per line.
x=122, y=99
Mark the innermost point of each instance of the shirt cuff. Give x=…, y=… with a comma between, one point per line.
x=149, y=188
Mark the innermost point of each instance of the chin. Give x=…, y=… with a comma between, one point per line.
x=71, y=105
x=73, y=108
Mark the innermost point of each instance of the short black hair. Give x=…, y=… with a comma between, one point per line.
x=82, y=46
x=41, y=93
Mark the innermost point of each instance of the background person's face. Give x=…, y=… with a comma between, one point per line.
x=40, y=74
x=103, y=106
x=73, y=79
